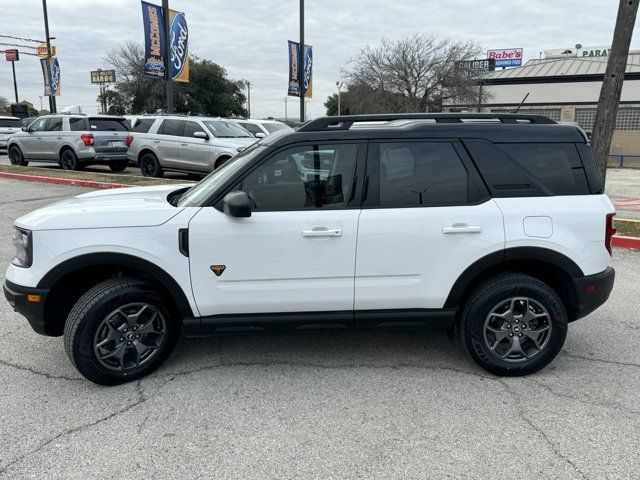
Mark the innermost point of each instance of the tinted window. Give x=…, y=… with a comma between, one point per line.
x=171, y=127
x=274, y=127
x=253, y=129
x=38, y=125
x=77, y=124
x=299, y=178
x=222, y=129
x=421, y=174
x=143, y=125
x=529, y=169
x=108, y=124
x=190, y=128
x=10, y=123
x=54, y=124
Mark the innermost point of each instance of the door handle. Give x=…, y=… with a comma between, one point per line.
x=184, y=144
x=322, y=232
x=156, y=141
x=462, y=228
x=59, y=138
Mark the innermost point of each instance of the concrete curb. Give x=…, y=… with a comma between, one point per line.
x=625, y=242
x=62, y=181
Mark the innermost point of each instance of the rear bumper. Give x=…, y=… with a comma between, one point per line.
x=594, y=290
x=22, y=299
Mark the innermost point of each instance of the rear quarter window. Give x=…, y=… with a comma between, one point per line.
x=78, y=124
x=143, y=125
x=10, y=123
x=108, y=125
x=529, y=169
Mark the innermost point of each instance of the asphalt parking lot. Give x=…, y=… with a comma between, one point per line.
x=322, y=405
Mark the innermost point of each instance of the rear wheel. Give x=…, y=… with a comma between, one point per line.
x=150, y=166
x=513, y=325
x=118, y=166
x=16, y=157
x=69, y=160
x=120, y=330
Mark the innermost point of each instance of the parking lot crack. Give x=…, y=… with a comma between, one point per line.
x=602, y=360
x=39, y=373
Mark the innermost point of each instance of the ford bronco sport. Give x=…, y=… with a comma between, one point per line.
x=494, y=227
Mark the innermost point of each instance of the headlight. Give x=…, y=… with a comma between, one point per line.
x=23, y=247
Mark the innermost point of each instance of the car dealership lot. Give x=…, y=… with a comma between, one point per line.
x=322, y=406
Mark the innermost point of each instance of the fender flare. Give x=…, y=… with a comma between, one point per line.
x=538, y=254
x=120, y=260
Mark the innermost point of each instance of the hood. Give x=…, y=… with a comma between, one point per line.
x=233, y=142
x=119, y=207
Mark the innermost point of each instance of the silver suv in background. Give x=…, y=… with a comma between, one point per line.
x=261, y=128
x=184, y=144
x=74, y=141
x=8, y=126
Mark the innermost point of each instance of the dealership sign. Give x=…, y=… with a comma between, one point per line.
x=506, y=57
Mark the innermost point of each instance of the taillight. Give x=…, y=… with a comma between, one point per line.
x=87, y=138
x=129, y=140
x=609, y=232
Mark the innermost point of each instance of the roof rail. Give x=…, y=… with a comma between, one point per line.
x=346, y=121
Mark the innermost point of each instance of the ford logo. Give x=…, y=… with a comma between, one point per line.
x=55, y=76
x=154, y=67
x=179, y=36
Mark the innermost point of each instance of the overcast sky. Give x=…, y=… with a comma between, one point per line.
x=249, y=38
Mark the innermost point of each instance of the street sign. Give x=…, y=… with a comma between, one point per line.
x=506, y=57
x=476, y=68
x=12, y=55
x=103, y=76
x=41, y=50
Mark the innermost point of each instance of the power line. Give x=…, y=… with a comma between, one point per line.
x=22, y=39
x=18, y=45
x=22, y=53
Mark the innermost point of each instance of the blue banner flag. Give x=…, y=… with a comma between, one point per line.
x=307, y=78
x=155, y=46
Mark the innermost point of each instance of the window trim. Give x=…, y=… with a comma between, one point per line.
x=371, y=198
x=355, y=202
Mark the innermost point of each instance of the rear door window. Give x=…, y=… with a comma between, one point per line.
x=253, y=129
x=171, y=127
x=108, y=125
x=529, y=169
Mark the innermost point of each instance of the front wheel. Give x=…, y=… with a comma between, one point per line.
x=120, y=330
x=16, y=157
x=513, y=325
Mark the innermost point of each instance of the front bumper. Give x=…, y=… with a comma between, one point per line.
x=594, y=290
x=23, y=301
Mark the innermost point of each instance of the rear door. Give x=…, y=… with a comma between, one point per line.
x=109, y=135
x=425, y=219
x=193, y=153
x=52, y=138
x=167, y=140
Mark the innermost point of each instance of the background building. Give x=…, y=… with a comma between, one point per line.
x=565, y=86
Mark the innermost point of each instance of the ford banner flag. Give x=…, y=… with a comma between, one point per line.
x=44, y=63
x=54, y=77
x=154, y=40
x=179, y=46
x=307, y=75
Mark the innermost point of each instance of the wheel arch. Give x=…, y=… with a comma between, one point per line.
x=64, y=147
x=69, y=280
x=549, y=266
x=143, y=151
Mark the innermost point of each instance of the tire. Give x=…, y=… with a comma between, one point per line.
x=16, y=157
x=83, y=331
x=150, y=166
x=221, y=161
x=536, y=326
x=69, y=160
x=118, y=166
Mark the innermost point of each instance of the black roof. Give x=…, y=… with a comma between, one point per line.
x=497, y=128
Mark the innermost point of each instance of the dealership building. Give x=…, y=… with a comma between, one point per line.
x=565, y=86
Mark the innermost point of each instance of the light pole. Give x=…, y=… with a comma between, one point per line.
x=52, y=98
x=301, y=62
x=168, y=82
x=40, y=96
x=286, y=104
x=339, y=85
x=248, y=83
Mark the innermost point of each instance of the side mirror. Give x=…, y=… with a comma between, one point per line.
x=236, y=204
x=260, y=135
x=25, y=129
x=201, y=135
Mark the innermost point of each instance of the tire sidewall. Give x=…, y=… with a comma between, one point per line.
x=83, y=346
x=151, y=159
x=72, y=159
x=473, y=328
x=18, y=153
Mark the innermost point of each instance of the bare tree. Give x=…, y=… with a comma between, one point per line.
x=4, y=104
x=413, y=74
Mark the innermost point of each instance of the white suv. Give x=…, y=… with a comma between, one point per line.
x=260, y=128
x=496, y=230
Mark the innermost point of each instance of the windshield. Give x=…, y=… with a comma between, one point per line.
x=274, y=127
x=198, y=194
x=10, y=122
x=222, y=129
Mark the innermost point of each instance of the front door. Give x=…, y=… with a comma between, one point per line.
x=33, y=142
x=296, y=253
x=193, y=152
x=426, y=218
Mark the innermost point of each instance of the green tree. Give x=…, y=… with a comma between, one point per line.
x=116, y=102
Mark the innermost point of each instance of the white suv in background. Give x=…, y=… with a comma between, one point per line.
x=261, y=128
x=8, y=126
x=492, y=226
x=184, y=143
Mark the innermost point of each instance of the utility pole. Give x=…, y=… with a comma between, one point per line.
x=339, y=84
x=52, y=98
x=15, y=84
x=286, y=113
x=249, y=98
x=612, y=85
x=301, y=62
x=168, y=82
